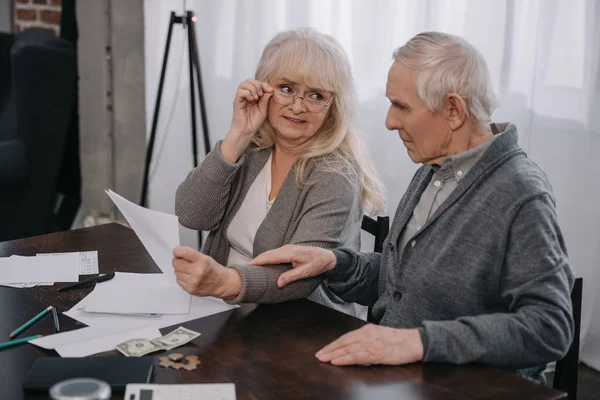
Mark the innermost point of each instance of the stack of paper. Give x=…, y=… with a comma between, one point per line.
x=200, y=307
x=121, y=308
x=106, y=331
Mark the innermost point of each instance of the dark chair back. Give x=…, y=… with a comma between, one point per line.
x=566, y=372
x=380, y=229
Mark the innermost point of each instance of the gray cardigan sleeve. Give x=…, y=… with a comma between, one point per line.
x=201, y=199
x=535, y=287
x=355, y=276
x=259, y=285
x=326, y=219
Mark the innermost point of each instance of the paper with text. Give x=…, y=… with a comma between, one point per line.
x=88, y=261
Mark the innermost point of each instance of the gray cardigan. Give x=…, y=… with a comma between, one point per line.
x=325, y=212
x=486, y=279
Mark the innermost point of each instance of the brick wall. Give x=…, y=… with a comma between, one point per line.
x=37, y=14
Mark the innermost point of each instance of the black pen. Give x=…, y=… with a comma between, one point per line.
x=87, y=282
x=55, y=316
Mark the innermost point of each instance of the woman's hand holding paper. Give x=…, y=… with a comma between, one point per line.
x=201, y=275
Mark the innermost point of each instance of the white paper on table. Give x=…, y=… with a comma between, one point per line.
x=18, y=269
x=62, y=339
x=88, y=265
x=130, y=293
x=200, y=307
x=205, y=391
x=105, y=343
x=158, y=232
x=88, y=261
x=26, y=285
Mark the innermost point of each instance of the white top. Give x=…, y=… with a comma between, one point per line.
x=250, y=215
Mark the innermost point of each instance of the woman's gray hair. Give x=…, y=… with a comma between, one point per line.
x=448, y=64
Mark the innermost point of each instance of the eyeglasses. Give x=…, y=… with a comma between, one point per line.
x=311, y=105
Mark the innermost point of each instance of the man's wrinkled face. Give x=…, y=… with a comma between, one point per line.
x=425, y=133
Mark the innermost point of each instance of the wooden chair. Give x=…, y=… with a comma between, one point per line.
x=567, y=369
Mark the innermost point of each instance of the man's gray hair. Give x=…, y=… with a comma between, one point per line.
x=448, y=64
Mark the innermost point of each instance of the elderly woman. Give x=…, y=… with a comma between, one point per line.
x=292, y=169
x=475, y=267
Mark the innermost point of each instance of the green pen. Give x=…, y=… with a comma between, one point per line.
x=18, y=341
x=31, y=322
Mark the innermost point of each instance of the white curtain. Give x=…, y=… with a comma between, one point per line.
x=543, y=56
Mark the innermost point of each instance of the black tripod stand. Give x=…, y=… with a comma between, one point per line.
x=188, y=21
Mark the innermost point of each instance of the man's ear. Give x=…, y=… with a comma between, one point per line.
x=455, y=111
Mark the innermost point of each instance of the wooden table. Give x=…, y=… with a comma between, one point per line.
x=267, y=351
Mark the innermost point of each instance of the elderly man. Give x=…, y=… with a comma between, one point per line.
x=475, y=267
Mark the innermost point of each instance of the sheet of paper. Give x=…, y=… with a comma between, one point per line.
x=104, y=343
x=129, y=293
x=158, y=232
x=200, y=307
x=205, y=391
x=19, y=269
x=62, y=339
x=88, y=265
x=88, y=261
x=27, y=285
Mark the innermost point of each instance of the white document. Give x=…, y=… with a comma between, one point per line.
x=158, y=232
x=105, y=343
x=88, y=261
x=19, y=269
x=130, y=293
x=200, y=307
x=92, y=340
x=62, y=339
x=204, y=391
x=26, y=285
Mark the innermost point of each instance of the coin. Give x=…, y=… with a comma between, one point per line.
x=164, y=358
x=177, y=366
x=166, y=364
x=190, y=367
x=194, y=362
x=175, y=356
x=192, y=357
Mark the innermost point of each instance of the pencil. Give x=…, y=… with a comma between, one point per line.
x=55, y=317
x=18, y=341
x=30, y=322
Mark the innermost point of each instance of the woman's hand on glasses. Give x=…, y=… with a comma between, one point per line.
x=249, y=111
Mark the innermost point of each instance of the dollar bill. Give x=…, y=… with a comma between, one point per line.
x=138, y=347
x=178, y=337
